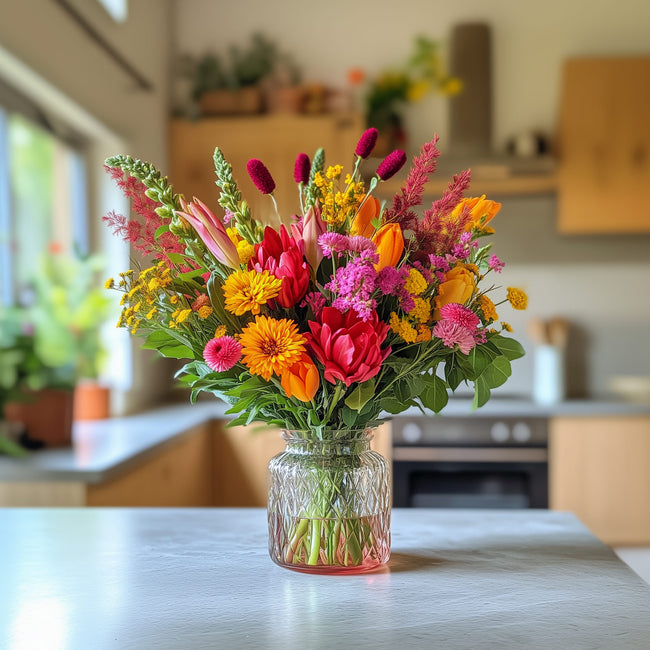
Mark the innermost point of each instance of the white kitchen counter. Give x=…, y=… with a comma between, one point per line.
x=159, y=578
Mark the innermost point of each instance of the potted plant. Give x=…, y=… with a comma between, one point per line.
x=235, y=87
x=35, y=396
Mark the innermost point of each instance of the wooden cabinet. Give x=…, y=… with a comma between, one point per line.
x=600, y=470
x=241, y=457
x=275, y=139
x=604, y=142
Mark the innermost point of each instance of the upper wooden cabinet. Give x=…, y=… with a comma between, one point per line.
x=604, y=146
x=275, y=139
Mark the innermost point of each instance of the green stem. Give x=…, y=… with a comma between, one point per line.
x=314, y=551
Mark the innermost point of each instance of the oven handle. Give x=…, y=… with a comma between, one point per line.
x=470, y=454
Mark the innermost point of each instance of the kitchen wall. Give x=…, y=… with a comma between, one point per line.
x=597, y=282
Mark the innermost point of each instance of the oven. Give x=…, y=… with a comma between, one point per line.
x=470, y=462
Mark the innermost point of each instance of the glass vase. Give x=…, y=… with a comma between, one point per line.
x=329, y=503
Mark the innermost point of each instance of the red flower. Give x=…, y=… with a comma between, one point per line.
x=282, y=257
x=347, y=346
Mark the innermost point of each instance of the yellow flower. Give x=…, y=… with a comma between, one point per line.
x=424, y=334
x=417, y=90
x=517, y=298
x=271, y=346
x=458, y=287
x=487, y=308
x=152, y=312
x=173, y=300
x=109, y=284
x=245, y=251
x=421, y=312
x=506, y=327
x=183, y=315
x=220, y=331
x=481, y=211
x=204, y=311
x=415, y=283
x=249, y=290
x=402, y=328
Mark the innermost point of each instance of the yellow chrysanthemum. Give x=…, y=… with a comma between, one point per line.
x=204, y=311
x=220, y=331
x=271, y=346
x=421, y=313
x=488, y=308
x=517, y=298
x=415, y=283
x=249, y=290
x=403, y=328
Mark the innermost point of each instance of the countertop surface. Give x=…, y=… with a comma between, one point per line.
x=103, y=449
x=202, y=578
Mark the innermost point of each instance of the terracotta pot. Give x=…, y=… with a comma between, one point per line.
x=91, y=401
x=47, y=416
x=243, y=101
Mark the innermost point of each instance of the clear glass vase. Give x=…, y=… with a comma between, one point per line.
x=329, y=503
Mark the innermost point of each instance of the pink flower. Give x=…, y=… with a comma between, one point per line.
x=309, y=229
x=301, y=169
x=348, y=347
x=452, y=334
x=260, y=176
x=391, y=164
x=316, y=301
x=366, y=142
x=222, y=353
x=496, y=264
x=211, y=231
x=460, y=315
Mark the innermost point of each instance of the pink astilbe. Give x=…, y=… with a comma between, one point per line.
x=410, y=196
x=140, y=233
x=452, y=334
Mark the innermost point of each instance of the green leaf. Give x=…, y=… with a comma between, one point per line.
x=510, y=348
x=160, y=230
x=360, y=395
x=479, y=358
x=481, y=393
x=435, y=396
x=167, y=345
x=497, y=373
x=394, y=406
x=453, y=375
x=349, y=416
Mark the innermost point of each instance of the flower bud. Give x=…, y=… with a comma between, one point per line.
x=302, y=168
x=391, y=164
x=390, y=245
x=366, y=143
x=260, y=176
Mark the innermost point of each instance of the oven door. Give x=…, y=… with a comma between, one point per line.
x=470, y=477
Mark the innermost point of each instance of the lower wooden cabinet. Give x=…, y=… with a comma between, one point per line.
x=599, y=469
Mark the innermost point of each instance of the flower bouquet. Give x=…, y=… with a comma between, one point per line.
x=349, y=312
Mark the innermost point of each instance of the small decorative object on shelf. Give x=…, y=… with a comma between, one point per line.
x=323, y=328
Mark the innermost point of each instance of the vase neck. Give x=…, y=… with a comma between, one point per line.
x=331, y=443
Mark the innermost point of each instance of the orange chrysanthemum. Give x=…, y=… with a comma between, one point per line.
x=249, y=290
x=271, y=346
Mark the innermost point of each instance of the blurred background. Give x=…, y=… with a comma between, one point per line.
x=167, y=80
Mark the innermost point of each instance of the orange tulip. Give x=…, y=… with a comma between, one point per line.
x=301, y=380
x=390, y=245
x=361, y=224
x=458, y=287
x=482, y=211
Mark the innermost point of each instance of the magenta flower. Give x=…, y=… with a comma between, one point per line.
x=354, y=284
x=366, y=143
x=260, y=176
x=452, y=334
x=211, y=232
x=302, y=168
x=391, y=164
x=496, y=264
x=460, y=315
x=222, y=353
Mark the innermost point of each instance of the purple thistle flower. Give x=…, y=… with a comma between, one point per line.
x=302, y=168
x=260, y=176
x=391, y=164
x=366, y=143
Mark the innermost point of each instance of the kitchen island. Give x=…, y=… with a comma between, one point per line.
x=202, y=578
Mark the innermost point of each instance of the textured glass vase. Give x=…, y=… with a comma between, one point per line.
x=329, y=503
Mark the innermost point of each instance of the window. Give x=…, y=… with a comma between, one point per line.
x=43, y=204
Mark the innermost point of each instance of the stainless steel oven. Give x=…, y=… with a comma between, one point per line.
x=470, y=462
